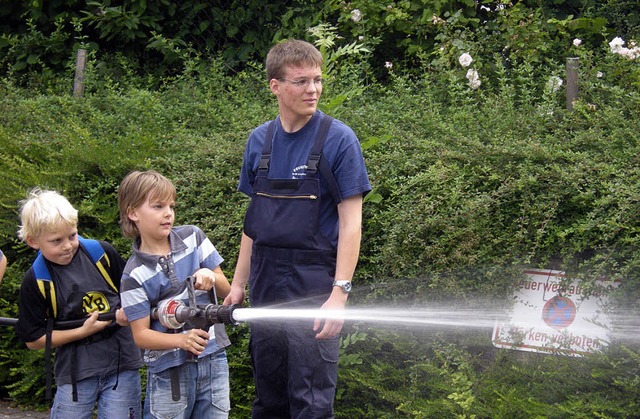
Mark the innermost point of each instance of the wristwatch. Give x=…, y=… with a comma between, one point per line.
x=345, y=285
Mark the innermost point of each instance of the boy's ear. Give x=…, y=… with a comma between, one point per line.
x=32, y=242
x=274, y=86
x=132, y=215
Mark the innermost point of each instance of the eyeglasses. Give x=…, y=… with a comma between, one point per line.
x=305, y=82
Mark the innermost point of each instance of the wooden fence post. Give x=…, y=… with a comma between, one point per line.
x=78, y=82
x=572, y=81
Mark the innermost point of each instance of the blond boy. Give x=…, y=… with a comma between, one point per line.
x=96, y=363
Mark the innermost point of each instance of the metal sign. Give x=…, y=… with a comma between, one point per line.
x=552, y=316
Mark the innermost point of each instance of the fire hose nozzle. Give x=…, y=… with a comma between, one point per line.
x=173, y=314
x=220, y=314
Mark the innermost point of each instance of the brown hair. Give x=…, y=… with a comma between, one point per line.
x=135, y=189
x=292, y=52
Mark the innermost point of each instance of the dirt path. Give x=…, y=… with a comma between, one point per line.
x=8, y=410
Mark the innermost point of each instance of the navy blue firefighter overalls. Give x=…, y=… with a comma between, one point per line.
x=292, y=265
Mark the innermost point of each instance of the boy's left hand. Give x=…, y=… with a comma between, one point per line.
x=330, y=327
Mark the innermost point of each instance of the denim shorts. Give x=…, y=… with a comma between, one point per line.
x=123, y=402
x=204, y=390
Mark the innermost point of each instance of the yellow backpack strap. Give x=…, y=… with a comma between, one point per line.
x=100, y=258
x=43, y=276
x=43, y=279
x=49, y=293
x=43, y=284
x=103, y=265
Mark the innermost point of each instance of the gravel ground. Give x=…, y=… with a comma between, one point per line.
x=8, y=410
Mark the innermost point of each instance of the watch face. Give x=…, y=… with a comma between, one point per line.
x=345, y=285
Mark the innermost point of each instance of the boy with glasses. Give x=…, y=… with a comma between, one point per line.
x=306, y=177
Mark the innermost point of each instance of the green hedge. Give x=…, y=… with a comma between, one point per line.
x=471, y=186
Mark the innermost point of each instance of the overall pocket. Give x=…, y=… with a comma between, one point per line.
x=284, y=213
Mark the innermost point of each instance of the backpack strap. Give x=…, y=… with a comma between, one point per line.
x=47, y=345
x=43, y=275
x=100, y=258
x=43, y=280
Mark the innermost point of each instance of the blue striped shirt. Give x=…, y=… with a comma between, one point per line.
x=148, y=279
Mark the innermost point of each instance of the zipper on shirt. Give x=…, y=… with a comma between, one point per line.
x=267, y=195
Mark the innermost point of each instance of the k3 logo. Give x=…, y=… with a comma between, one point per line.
x=95, y=301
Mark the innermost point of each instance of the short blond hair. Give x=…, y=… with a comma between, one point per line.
x=134, y=190
x=45, y=211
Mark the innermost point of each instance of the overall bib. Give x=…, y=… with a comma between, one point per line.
x=292, y=265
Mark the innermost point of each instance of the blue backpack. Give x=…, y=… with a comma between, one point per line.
x=43, y=276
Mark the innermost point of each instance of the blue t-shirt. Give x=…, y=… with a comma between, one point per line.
x=289, y=157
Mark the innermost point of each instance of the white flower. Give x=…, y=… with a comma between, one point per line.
x=356, y=15
x=388, y=64
x=436, y=20
x=616, y=44
x=554, y=83
x=577, y=42
x=624, y=52
x=617, y=47
x=630, y=54
x=361, y=38
x=474, y=79
x=465, y=59
x=633, y=53
x=599, y=74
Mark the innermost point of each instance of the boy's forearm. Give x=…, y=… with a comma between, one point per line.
x=154, y=340
x=349, y=237
x=241, y=274
x=59, y=338
x=147, y=338
x=222, y=283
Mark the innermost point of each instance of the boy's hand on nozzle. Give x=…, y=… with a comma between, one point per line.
x=93, y=325
x=205, y=279
x=194, y=341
